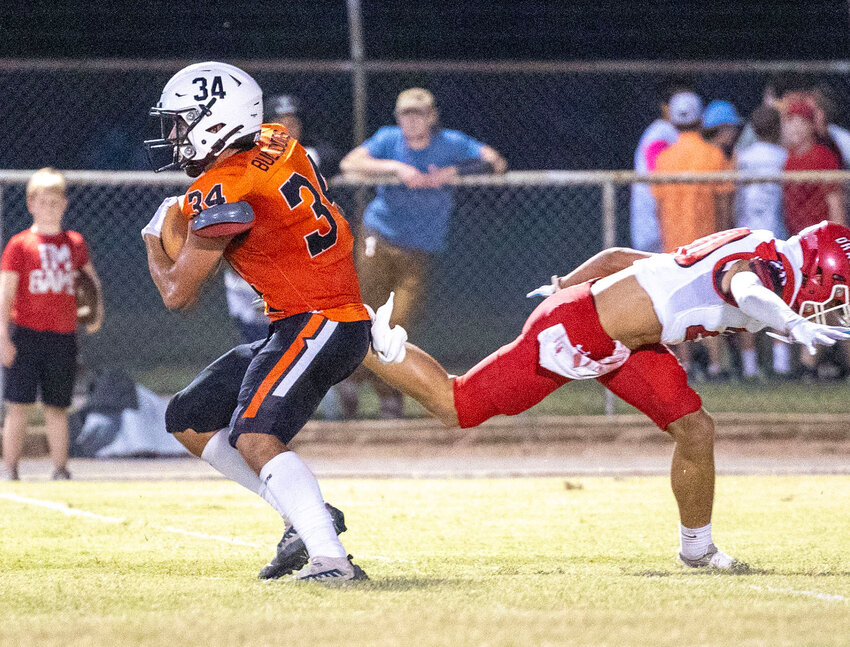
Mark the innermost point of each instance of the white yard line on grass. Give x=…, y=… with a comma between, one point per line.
x=829, y=597
x=60, y=507
x=74, y=512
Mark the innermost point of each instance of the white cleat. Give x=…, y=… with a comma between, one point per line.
x=715, y=560
x=330, y=570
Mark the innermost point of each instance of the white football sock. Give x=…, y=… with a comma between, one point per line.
x=290, y=488
x=229, y=462
x=694, y=541
x=781, y=358
x=749, y=360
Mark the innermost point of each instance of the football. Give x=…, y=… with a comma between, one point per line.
x=86, y=294
x=174, y=229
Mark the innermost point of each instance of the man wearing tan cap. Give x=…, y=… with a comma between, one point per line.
x=407, y=223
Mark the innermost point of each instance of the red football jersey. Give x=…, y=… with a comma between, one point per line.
x=45, y=265
x=298, y=253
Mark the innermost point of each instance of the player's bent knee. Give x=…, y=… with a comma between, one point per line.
x=193, y=441
x=695, y=429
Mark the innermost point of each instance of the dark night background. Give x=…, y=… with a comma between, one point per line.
x=470, y=29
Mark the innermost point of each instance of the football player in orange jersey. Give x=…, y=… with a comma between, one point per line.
x=260, y=203
x=608, y=320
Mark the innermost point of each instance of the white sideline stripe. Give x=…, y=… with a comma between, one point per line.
x=61, y=507
x=73, y=512
x=313, y=348
x=829, y=597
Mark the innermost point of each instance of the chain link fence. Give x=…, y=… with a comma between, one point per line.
x=509, y=234
x=538, y=115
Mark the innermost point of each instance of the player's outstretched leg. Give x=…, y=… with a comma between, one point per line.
x=692, y=479
x=292, y=553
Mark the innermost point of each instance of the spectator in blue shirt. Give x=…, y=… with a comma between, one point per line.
x=409, y=222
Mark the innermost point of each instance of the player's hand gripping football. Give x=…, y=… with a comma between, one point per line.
x=154, y=227
x=387, y=343
x=812, y=334
x=546, y=290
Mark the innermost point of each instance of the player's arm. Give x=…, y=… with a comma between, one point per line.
x=8, y=290
x=89, y=270
x=608, y=261
x=759, y=302
x=179, y=282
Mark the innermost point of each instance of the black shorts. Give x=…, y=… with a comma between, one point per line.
x=271, y=386
x=45, y=361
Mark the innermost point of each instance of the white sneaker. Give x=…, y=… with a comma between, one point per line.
x=329, y=570
x=715, y=559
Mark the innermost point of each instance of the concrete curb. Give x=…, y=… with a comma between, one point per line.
x=530, y=429
x=547, y=429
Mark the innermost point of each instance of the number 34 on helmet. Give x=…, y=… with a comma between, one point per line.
x=824, y=295
x=204, y=108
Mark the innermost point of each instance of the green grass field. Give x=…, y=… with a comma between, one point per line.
x=588, y=561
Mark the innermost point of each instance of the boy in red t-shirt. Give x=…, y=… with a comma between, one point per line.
x=38, y=320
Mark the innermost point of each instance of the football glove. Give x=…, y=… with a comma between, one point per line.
x=154, y=227
x=811, y=334
x=388, y=343
x=546, y=290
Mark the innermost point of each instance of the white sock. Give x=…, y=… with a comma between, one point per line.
x=229, y=462
x=749, y=360
x=694, y=541
x=290, y=488
x=714, y=369
x=781, y=358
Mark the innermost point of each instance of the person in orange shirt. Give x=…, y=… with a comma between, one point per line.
x=687, y=212
x=260, y=203
x=690, y=211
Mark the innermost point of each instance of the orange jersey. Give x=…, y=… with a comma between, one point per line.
x=298, y=253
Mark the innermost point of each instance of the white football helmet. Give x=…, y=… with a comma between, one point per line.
x=205, y=108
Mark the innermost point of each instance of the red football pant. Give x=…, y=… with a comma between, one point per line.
x=511, y=380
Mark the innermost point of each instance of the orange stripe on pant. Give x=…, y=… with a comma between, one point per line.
x=283, y=363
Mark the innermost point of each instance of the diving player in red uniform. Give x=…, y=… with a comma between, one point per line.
x=260, y=204
x=609, y=320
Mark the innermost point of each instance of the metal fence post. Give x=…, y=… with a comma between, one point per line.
x=358, y=74
x=609, y=239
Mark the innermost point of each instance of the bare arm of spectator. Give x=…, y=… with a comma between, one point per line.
x=489, y=162
x=360, y=162
x=835, y=204
x=95, y=325
x=8, y=290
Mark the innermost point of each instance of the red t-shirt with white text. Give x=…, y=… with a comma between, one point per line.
x=805, y=203
x=45, y=265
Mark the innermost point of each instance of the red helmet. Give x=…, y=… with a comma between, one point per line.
x=826, y=272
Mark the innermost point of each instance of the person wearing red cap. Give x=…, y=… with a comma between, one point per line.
x=808, y=203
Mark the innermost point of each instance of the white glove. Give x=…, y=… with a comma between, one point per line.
x=154, y=227
x=810, y=334
x=546, y=290
x=388, y=343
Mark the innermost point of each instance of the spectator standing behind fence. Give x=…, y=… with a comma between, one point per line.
x=246, y=307
x=721, y=126
x=38, y=320
x=759, y=206
x=807, y=203
x=688, y=211
x=656, y=138
x=285, y=109
x=406, y=224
